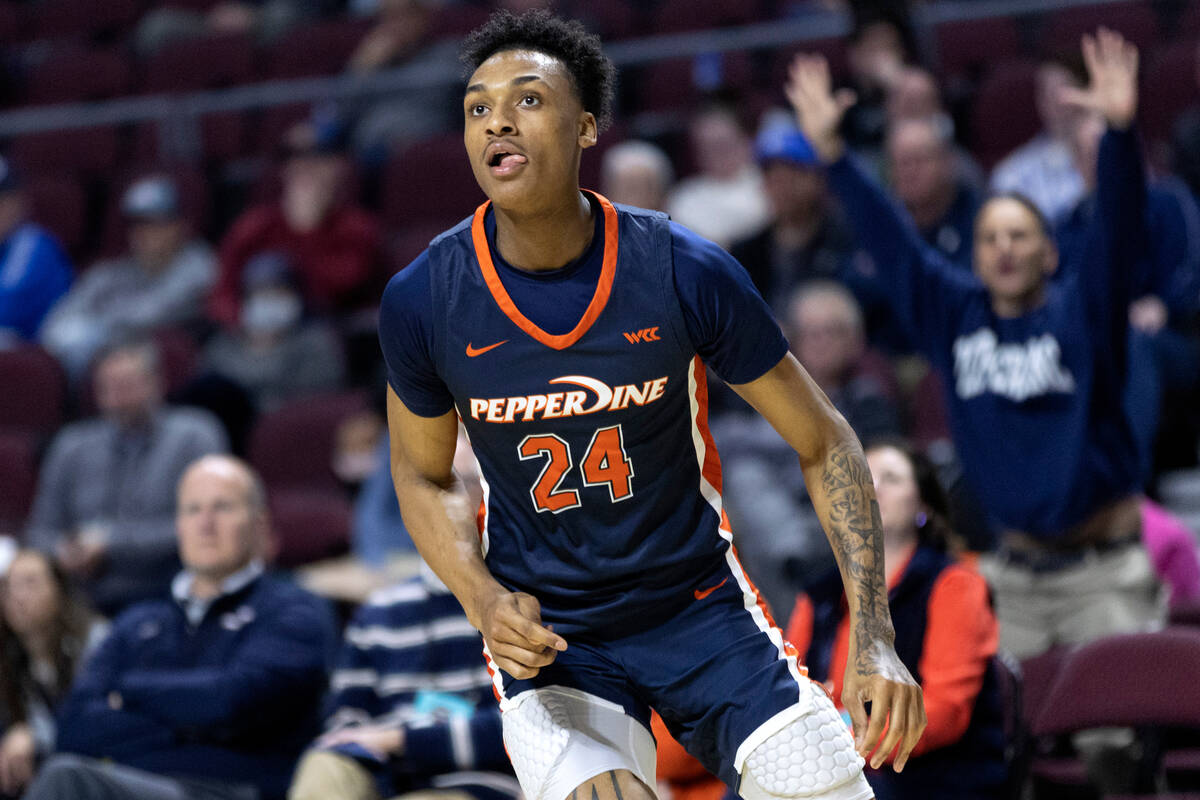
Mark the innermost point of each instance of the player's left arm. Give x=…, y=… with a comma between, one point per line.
x=839, y=483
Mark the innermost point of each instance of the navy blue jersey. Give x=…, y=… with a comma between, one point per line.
x=602, y=488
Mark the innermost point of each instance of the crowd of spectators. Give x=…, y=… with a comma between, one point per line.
x=252, y=298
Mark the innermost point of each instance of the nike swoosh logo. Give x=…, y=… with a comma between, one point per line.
x=703, y=593
x=472, y=352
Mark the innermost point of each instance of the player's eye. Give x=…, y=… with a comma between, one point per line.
x=477, y=110
x=530, y=100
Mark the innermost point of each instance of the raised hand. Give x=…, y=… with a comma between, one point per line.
x=519, y=643
x=1112, y=66
x=819, y=110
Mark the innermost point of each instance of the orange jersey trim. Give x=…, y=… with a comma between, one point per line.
x=608, y=270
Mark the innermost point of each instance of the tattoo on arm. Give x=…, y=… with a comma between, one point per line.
x=856, y=535
x=616, y=789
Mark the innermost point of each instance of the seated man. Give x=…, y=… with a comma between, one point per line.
x=160, y=281
x=211, y=694
x=106, y=493
x=412, y=706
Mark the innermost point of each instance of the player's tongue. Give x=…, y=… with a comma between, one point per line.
x=509, y=163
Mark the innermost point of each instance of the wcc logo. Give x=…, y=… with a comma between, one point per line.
x=644, y=335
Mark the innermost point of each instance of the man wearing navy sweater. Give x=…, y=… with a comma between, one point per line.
x=1034, y=369
x=213, y=694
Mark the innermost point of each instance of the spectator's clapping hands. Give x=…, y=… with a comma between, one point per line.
x=1112, y=66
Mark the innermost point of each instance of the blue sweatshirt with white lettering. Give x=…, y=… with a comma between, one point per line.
x=1035, y=401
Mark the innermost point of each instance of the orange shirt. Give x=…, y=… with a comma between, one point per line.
x=961, y=636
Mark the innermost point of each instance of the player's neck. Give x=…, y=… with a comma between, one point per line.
x=547, y=238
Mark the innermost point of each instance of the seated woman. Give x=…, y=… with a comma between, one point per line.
x=946, y=634
x=45, y=633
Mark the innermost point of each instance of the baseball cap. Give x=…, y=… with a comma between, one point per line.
x=783, y=141
x=152, y=198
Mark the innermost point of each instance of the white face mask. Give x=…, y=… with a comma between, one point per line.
x=271, y=312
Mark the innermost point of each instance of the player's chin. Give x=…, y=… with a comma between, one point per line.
x=510, y=192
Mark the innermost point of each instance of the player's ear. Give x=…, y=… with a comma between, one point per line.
x=588, y=130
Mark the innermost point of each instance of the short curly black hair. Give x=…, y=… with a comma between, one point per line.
x=566, y=40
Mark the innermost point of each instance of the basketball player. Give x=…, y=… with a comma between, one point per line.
x=571, y=337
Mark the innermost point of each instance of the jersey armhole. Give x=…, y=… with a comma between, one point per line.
x=665, y=247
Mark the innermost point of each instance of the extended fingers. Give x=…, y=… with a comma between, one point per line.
x=916, y=726
x=880, y=697
x=897, y=723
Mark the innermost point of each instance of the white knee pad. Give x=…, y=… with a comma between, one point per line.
x=558, y=738
x=811, y=758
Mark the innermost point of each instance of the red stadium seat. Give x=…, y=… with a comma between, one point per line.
x=319, y=49
x=966, y=47
x=292, y=447
x=54, y=19
x=430, y=181
x=1135, y=20
x=309, y=526
x=60, y=204
x=682, y=82
x=77, y=74
x=190, y=5
x=37, y=405
x=92, y=150
x=18, y=476
x=612, y=19
x=1004, y=115
x=1038, y=676
x=12, y=22
x=207, y=62
x=454, y=20
x=1094, y=690
x=675, y=16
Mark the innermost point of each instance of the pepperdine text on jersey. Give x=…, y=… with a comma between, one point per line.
x=567, y=404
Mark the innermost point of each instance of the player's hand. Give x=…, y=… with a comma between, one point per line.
x=876, y=675
x=819, y=110
x=1112, y=66
x=518, y=641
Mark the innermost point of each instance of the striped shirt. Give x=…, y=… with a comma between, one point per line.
x=410, y=657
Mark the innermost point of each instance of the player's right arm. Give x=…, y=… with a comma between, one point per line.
x=423, y=431
x=437, y=512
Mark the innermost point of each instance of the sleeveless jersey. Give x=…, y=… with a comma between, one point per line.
x=601, y=481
